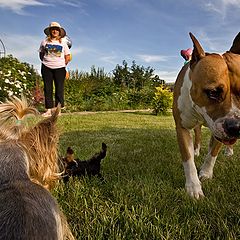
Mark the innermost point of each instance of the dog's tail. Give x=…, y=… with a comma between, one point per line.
x=100, y=155
x=12, y=113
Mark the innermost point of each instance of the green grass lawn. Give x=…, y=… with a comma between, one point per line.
x=143, y=195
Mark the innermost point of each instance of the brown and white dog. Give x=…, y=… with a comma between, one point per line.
x=207, y=92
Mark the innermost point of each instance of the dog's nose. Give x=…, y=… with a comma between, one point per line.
x=232, y=127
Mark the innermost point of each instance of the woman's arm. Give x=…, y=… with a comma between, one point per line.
x=41, y=51
x=67, y=58
x=41, y=55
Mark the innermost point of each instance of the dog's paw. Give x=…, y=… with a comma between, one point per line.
x=205, y=175
x=197, y=148
x=228, y=151
x=194, y=190
x=197, y=152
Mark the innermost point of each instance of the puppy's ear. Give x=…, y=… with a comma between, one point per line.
x=236, y=45
x=41, y=142
x=198, y=52
x=70, y=151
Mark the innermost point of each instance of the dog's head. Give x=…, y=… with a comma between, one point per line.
x=38, y=143
x=215, y=89
x=69, y=157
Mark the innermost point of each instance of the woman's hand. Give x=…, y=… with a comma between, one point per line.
x=67, y=59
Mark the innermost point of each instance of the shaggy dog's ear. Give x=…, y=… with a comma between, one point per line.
x=41, y=142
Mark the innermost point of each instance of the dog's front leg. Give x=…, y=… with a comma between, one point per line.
x=206, y=171
x=193, y=184
x=197, y=140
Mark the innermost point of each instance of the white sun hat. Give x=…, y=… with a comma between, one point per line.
x=55, y=24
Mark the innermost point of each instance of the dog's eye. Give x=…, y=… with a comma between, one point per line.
x=215, y=94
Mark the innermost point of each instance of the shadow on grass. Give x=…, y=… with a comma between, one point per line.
x=144, y=186
x=141, y=155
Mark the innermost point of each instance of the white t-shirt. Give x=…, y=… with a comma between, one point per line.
x=54, y=53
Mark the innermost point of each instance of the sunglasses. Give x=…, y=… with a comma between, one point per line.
x=54, y=28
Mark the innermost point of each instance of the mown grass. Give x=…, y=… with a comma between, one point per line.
x=143, y=194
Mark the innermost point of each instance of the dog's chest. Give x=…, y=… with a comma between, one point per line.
x=189, y=117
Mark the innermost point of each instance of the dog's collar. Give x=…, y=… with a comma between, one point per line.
x=18, y=122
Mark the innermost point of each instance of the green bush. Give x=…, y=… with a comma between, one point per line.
x=140, y=99
x=73, y=95
x=126, y=88
x=97, y=92
x=16, y=78
x=162, y=101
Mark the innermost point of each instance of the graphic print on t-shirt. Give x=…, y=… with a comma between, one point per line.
x=53, y=50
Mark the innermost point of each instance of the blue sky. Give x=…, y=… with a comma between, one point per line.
x=106, y=32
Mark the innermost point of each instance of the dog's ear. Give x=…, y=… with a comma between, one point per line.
x=70, y=150
x=198, y=52
x=236, y=45
x=41, y=142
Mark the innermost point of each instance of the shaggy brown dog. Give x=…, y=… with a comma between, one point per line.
x=28, y=170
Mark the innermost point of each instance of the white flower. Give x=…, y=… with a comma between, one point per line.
x=8, y=74
x=17, y=85
x=21, y=72
x=7, y=80
x=10, y=93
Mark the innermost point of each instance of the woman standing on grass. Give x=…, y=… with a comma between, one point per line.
x=55, y=55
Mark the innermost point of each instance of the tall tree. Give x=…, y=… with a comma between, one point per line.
x=135, y=77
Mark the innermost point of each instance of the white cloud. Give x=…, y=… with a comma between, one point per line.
x=168, y=76
x=220, y=6
x=152, y=58
x=72, y=3
x=108, y=59
x=16, y=46
x=17, y=6
x=214, y=43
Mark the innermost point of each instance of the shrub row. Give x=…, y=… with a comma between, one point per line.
x=127, y=88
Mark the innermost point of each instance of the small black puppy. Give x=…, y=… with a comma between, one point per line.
x=77, y=168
